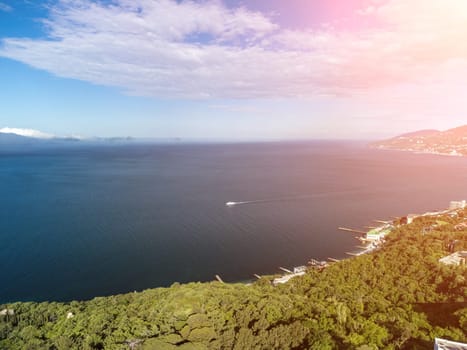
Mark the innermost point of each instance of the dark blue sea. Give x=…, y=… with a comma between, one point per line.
x=85, y=221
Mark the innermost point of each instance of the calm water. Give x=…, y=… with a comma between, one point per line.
x=79, y=223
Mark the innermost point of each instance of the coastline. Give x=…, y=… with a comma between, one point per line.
x=374, y=243
x=453, y=153
x=215, y=315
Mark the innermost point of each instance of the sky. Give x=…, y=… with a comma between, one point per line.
x=233, y=69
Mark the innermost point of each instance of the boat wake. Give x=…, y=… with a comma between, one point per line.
x=231, y=204
x=290, y=198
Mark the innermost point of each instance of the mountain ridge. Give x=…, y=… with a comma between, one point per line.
x=451, y=142
x=12, y=138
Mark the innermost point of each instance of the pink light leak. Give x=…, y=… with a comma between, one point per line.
x=302, y=14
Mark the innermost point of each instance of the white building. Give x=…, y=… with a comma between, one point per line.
x=457, y=258
x=457, y=205
x=5, y=312
x=442, y=344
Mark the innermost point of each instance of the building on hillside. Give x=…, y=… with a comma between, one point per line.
x=7, y=312
x=457, y=258
x=442, y=344
x=406, y=220
x=453, y=205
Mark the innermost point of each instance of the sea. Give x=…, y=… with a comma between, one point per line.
x=94, y=220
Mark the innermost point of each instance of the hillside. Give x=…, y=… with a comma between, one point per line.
x=449, y=142
x=398, y=297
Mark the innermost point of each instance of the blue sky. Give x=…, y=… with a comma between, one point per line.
x=234, y=70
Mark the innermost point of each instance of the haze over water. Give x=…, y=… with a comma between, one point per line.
x=90, y=221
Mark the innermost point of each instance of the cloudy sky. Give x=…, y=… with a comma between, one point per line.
x=231, y=69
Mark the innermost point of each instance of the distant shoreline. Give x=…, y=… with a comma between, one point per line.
x=382, y=148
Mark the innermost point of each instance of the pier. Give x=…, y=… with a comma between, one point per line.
x=382, y=222
x=353, y=254
x=219, y=279
x=351, y=230
x=285, y=270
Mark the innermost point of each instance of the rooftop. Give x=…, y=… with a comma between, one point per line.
x=457, y=258
x=442, y=344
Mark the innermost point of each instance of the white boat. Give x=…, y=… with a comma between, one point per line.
x=230, y=204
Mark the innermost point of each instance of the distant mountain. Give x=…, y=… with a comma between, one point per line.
x=450, y=142
x=14, y=139
x=10, y=142
x=26, y=133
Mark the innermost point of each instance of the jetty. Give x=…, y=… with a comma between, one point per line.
x=285, y=270
x=374, y=233
x=351, y=230
x=219, y=279
x=382, y=221
x=371, y=239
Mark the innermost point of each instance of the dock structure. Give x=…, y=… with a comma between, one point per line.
x=382, y=221
x=373, y=234
x=370, y=239
x=257, y=276
x=351, y=230
x=285, y=270
x=333, y=259
x=353, y=254
x=219, y=279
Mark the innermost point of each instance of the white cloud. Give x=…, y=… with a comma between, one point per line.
x=188, y=49
x=5, y=7
x=26, y=132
